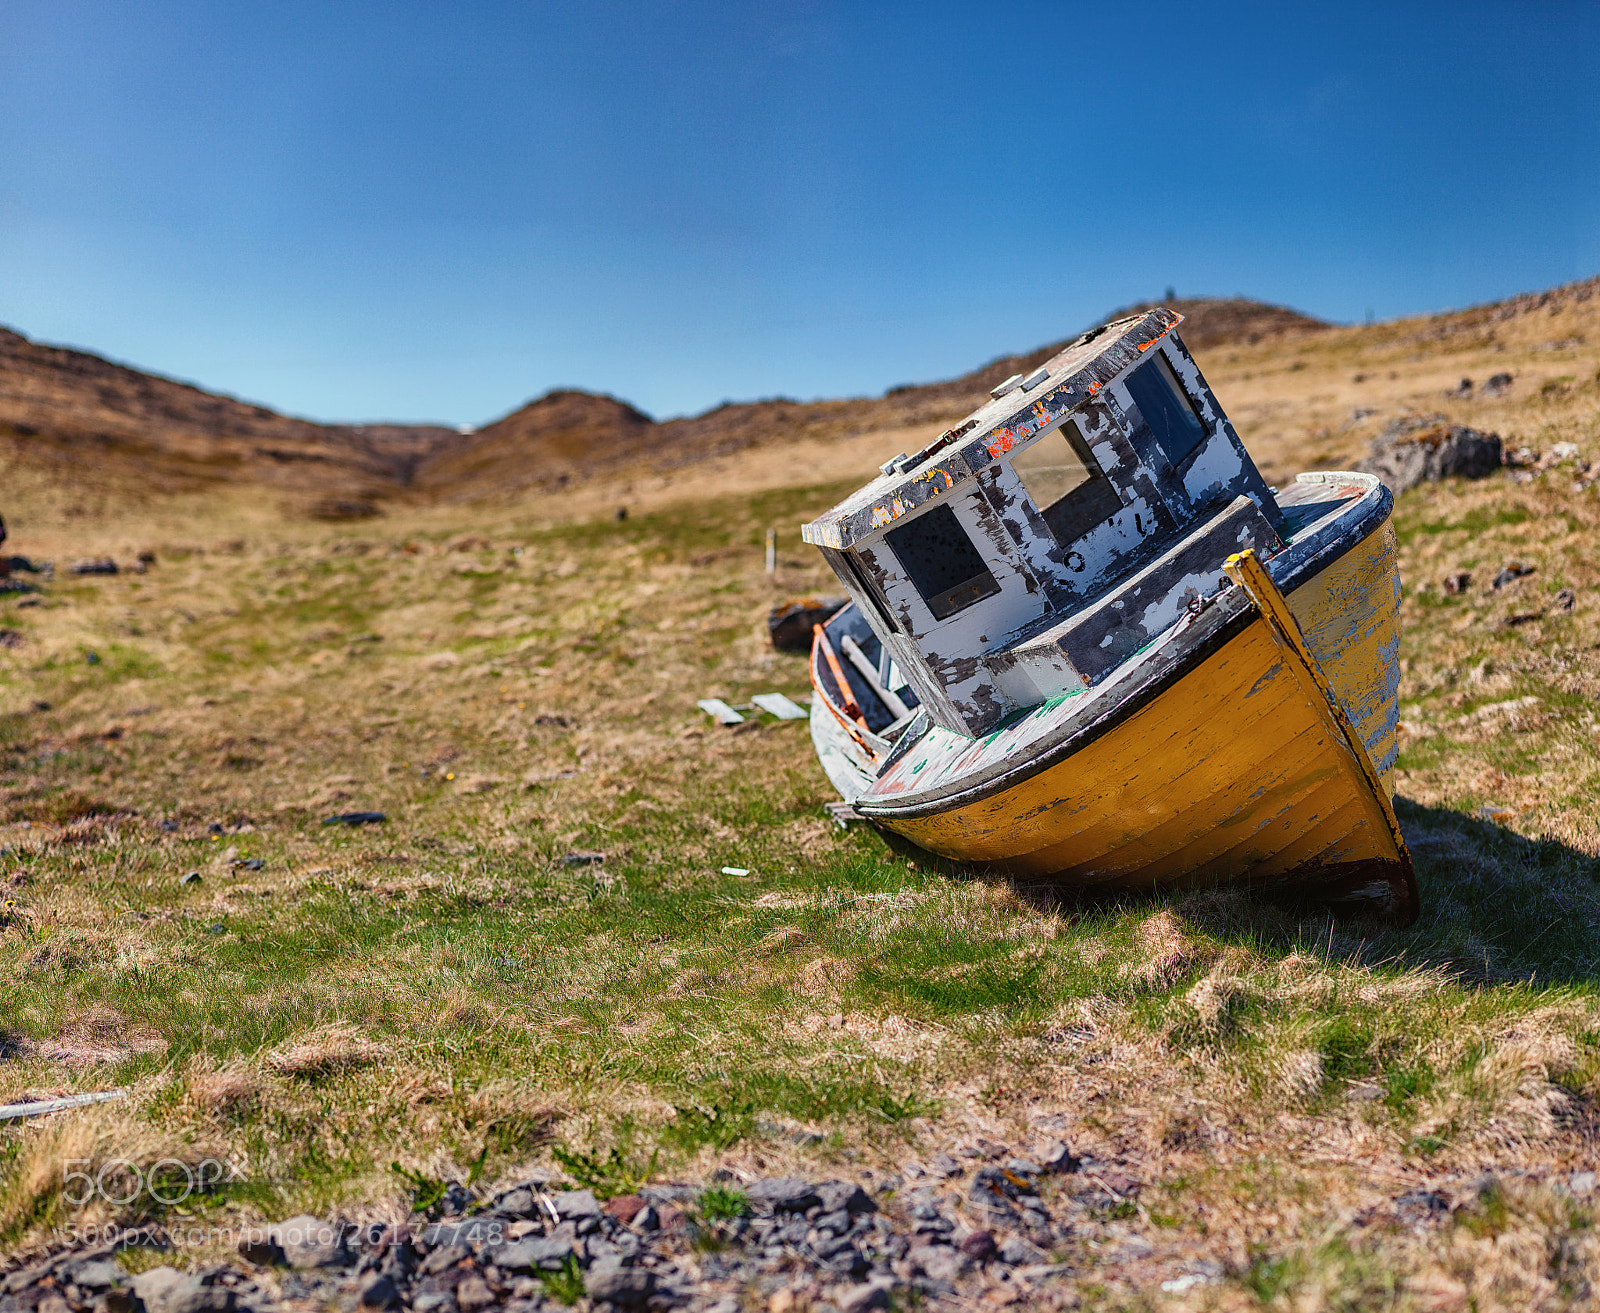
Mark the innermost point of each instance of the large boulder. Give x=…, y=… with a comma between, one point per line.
x=1421, y=449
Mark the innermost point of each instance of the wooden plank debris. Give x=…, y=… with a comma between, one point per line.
x=12, y=1111
x=720, y=711
x=781, y=707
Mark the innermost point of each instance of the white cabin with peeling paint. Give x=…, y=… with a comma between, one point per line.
x=1028, y=551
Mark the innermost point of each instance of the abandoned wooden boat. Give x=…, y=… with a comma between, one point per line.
x=1087, y=643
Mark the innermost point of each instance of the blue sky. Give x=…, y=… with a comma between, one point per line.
x=434, y=212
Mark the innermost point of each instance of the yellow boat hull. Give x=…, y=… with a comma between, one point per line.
x=1255, y=764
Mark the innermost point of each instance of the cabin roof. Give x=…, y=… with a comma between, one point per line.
x=1073, y=375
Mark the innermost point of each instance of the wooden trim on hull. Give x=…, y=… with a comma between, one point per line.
x=1240, y=766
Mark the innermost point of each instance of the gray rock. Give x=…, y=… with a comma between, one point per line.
x=533, y=1254
x=517, y=1203
x=627, y=1286
x=473, y=1294
x=572, y=1205
x=467, y=1231
x=166, y=1290
x=860, y=1299
x=941, y=1262
x=22, y=1278
x=660, y=1196
x=838, y=1222
x=846, y=1195
x=1017, y=1251
x=310, y=1242
x=445, y=1256
x=1054, y=1156
x=439, y=1301
x=1421, y=449
x=781, y=1194
x=380, y=1294
x=97, y=1274
x=1581, y=1183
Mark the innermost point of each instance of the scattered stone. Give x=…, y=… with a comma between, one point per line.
x=310, y=1242
x=473, y=1294
x=941, y=1262
x=1581, y=1183
x=844, y=1196
x=1513, y=571
x=166, y=1290
x=626, y=1286
x=96, y=1274
x=356, y=818
x=533, y=1254
x=1498, y=385
x=624, y=1207
x=380, y=1294
x=1458, y=583
x=572, y=1205
x=192, y=878
x=1426, y=449
x=248, y=863
x=780, y=1194
x=443, y=1258
x=1566, y=599
x=583, y=859
x=94, y=565
x=1054, y=1156
x=1016, y=1252
x=517, y=1203
x=860, y=1299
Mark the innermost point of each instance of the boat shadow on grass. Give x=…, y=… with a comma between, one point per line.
x=1497, y=907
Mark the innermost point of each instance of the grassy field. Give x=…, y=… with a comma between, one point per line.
x=1282, y=1095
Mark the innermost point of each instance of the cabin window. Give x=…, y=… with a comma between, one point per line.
x=845, y=563
x=1066, y=483
x=1166, y=408
x=941, y=561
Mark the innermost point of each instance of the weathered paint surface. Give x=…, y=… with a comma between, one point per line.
x=1349, y=615
x=958, y=664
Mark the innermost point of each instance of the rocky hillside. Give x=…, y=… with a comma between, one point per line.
x=569, y=436
x=78, y=416
x=88, y=417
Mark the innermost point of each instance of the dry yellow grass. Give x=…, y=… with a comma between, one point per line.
x=510, y=683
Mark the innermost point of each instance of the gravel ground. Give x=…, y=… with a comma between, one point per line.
x=951, y=1233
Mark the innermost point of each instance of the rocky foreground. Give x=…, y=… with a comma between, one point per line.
x=953, y=1233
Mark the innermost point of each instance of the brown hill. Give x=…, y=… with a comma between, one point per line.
x=569, y=436
x=78, y=416
x=90, y=418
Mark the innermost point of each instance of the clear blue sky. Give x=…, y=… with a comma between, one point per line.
x=392, y=210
